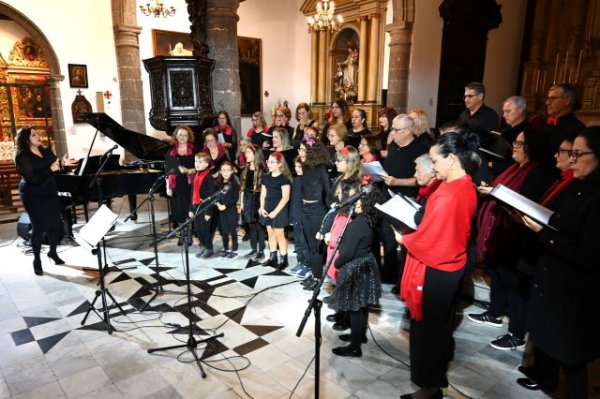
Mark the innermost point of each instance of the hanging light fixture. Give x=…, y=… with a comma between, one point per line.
x=325, y=19
x=157, y=9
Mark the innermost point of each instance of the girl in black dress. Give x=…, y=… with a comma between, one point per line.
x=274, y=197
x=359, y=127
x=227, y=206
x=251, y=177
x=37, y=189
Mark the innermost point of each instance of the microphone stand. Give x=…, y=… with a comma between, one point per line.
x=102, y=292
x=316, y=305
x=191, y=343
x=158, y=288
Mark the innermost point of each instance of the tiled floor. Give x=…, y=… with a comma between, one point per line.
x=46, y=352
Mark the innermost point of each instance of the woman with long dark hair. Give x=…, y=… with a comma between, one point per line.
x=339, y=115
x=250, y=185
x=386, y=117
x=228, y=133
x=37, y=166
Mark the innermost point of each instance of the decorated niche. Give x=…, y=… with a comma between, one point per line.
x=346, y=55
x=24, y=91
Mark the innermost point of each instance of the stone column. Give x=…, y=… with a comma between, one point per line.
x=322, y=66
x=221, y=37
x=128, y=64
x=373, y=75
x=58, y=122
x=314, y=65
x=400, y=48
x=363, y=54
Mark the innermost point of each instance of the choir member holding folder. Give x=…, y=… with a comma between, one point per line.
x=435, y=264
x=563, y=315
x=499, y=236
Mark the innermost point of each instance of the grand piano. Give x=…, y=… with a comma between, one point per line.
x=117, y=181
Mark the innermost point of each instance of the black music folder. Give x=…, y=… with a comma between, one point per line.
x=171, y=165
x=522, y=204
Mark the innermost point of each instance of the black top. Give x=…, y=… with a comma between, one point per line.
x=207, y=189
x=298, y=134
x=400, y=163
x=568, y=126
x=249, y=180
x=231, y=198
x=296, y=200
x=383, y=137
x=37, y=177
x=273, y=186
x=354, y=137
x=258, y=139
x=315, y=184
x=481, y=122
x=231, y=139
x=510, y=133
x=425, y=140
x=357, y=241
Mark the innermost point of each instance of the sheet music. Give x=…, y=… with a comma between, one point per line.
x=523, y=204
x=375, y=170
x=492, y=154
x=401, y=208
x=90, y=234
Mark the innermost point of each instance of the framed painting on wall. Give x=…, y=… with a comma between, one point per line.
x=78, y=76
x=166, y=42
x=250, y=65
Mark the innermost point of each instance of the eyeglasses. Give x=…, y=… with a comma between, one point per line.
x=399, y=129
x=279, y=115
x=553, y=98
x=561, y=151
x=519, y=144
x=470, y=96
x=575, y=155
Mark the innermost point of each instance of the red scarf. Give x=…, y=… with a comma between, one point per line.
x=441, y=240
x=224, y=129
x=495, y=225
x=566, y=178
x=174, y=153
x=426, y=191
x=552, y=120
x=198, y=180
x=221, y=151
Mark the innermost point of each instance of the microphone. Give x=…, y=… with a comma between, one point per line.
x=114, y=147
x=364, y=190
x=222, y=191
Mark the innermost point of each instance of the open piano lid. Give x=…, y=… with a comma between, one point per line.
x=140, y=145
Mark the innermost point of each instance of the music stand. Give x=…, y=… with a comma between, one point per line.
x=158, y=288
x=316, y=304
x=89, y=237
x=191, y=343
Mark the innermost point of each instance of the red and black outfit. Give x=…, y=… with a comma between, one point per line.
x=203, y=187
x=230, y=136
x=498, y=244
x=181, y=185
x=435, y=264
x=222, y=156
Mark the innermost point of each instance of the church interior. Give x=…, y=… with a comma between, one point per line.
x=120, y=59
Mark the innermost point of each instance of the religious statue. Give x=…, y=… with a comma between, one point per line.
x=346, y=77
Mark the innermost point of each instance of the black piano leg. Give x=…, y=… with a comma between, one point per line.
x=132, y=199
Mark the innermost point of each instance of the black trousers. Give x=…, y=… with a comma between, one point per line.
x=545, y=372
x=431, y=341
x=228, y=228
x=390, y=269
x=312, y=216
x=509, y=294
x=257, y=236
x=205, y=231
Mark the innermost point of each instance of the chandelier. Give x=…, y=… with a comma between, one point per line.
x=157, y=9
x=325, y=19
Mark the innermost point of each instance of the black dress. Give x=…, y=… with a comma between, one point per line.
x=273, y=185
x=37, y=189
x=182, y=193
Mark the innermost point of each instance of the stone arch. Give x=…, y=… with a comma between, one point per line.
x=55, y=76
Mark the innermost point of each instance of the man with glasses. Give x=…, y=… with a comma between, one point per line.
x=561, y=121
x=477, y=116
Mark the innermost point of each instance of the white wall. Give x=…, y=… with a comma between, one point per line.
x=286, y=51
x=503, y=56
x=425, y=59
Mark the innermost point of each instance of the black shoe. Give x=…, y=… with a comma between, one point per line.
x=528, y=383
x=341, y=326
x=485, y=318
x=251, y=254
x=525, y=370
x=284, y=262
x=334, y=318
x=439, y=394
x=37, y=267
x=347, y=351
x=395, y=290
x=272, y=261
x=329, y=299
x=259, y=256
x=348, y=337
x=311, y=286
x=507, y=342
x=55, y=258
